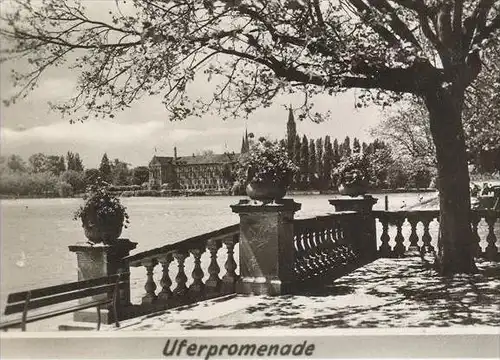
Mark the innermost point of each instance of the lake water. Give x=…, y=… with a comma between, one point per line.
x=36, y=233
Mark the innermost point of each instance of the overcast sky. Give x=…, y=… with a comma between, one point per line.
x=29, y=127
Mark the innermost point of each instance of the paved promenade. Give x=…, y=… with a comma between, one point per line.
x=386, y=293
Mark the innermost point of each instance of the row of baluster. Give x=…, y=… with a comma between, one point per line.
x=197, y=290
x=398, y=219
x=321, y=244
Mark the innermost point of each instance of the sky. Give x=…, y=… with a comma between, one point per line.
x=29, y=126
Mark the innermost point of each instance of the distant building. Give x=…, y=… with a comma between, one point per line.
x=197, y=172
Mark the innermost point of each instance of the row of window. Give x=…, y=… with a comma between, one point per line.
x=211, y=181
x=203, y=187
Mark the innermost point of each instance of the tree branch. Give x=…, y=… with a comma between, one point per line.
x=397, y=25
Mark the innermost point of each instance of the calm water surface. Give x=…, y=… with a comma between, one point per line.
x=35, y=233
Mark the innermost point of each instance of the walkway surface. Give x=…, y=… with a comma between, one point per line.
x=386, y=293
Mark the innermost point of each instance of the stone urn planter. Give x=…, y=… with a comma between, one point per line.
x=265, y=191
x=266, y=170
x=103, y=230
x=102, y=215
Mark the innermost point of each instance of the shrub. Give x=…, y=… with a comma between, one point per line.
x=352, y=170
x=266, y=161
x=64, y=189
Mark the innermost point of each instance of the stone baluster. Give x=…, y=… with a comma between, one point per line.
x=315, y=251
x=213, y=283
x=333, y=236
x=308, y=254
x=150, y=285
x=336, y=235
x=197, y=288
x=307, y=239
x=230, y=277
x=385, y=248
x=491, y=239
x=301, y=254
x=302, y=238
x=413, y=220
x=475, y=219
x=165, y=282
x=323, y=245
x=399, y=248
x=181, y=278
x=311, y=235
x=426, y=237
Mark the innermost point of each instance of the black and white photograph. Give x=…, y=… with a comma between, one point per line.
x=249, y=178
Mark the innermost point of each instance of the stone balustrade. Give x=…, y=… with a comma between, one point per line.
x=402, y=231
x=324, y=244
x=180, y=290
x=276, y=254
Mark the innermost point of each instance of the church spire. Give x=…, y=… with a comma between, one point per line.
x=245, y=145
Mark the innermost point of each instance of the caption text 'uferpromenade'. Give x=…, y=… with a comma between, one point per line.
x=184, y=348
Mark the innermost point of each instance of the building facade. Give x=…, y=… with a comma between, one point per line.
x=212, y=172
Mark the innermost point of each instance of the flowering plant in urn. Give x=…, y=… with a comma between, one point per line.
x=266, y=169
x=352, y=175
x=102, y=215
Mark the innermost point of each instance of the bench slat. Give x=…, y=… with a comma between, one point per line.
x=56, y=299
x=57, y=289
x=54, y=313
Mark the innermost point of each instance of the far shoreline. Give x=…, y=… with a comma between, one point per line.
x=159, y=193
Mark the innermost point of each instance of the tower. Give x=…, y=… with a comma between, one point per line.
x=245, y=145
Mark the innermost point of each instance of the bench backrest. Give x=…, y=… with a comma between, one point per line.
x=37, y=298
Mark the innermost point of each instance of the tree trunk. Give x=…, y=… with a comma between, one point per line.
x=455, y=242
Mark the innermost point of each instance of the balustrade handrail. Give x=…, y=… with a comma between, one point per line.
x=318, y=218
x=184, y=245
x=434, y=212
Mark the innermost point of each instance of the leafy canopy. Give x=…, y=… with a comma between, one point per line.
x=252, y=49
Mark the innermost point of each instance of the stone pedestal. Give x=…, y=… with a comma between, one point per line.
x=363, y=230
x=266, y=246
x=362, y=204
x=94, y=261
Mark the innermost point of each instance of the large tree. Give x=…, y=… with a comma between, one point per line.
x=409, y=134
x=258, y=49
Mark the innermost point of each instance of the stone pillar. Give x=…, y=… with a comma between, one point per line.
x=363, y=230
x=266, y=246
x=94, y=261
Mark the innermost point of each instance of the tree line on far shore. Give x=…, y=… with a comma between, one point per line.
x=318, y=158
x=57, y=175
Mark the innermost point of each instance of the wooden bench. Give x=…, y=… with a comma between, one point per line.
x=24, y=301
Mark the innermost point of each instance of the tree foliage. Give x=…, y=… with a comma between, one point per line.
x=105, y=168
x=257, y=49
x=74, y=162
x=409, y=134
x=16, y=163
x=140, y=175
